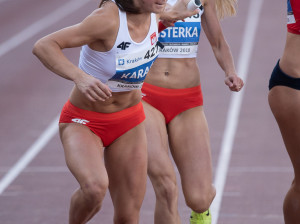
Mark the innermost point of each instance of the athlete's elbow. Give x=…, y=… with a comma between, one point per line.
x=41, y=46
x=37, y=47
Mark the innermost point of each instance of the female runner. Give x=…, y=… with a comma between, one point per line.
x=284, y=101
x=104, y=109
x=173, y=104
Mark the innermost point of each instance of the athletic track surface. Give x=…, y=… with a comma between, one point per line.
x=252, y=171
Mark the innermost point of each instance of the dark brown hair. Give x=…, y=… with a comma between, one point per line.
x=124, y=5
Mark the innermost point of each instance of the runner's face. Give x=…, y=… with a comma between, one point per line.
x=155, y=6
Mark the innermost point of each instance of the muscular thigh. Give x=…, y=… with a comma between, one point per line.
x=83, y=153
x=126, y=162
x=284, y=103
x=159, y=162
x=190, y=147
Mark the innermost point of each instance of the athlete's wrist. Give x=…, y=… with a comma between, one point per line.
x=230, y=74
x=78, y=77
x=168, y=15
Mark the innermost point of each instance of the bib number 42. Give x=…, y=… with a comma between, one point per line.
x=152, y=52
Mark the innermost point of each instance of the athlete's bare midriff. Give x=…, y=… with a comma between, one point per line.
x=119, y=101
x=290, y=61
x=174, y=73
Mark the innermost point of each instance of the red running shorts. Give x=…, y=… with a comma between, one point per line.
x=171, y=102
x=107, y=126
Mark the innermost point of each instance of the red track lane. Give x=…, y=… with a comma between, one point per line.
x=30, y=97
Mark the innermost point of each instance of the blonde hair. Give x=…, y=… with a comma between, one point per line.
x=226, y=8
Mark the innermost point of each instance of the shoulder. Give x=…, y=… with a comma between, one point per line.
x=109, y=10
x=103, y=22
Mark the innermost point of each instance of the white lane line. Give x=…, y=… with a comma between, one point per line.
x=9, y=45
x=40, y=169
x=30, y=154
x=235, y=106
x=41, y=24
x=261, y=170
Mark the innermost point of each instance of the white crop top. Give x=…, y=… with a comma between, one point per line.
x=181, y=41
x=125, y=66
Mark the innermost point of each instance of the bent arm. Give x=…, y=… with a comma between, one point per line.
x=220, y=47
x=95, y=28
x=49, y=51
x=214, y=34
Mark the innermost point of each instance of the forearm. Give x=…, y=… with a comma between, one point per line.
x=52, y=57
x=224, y=58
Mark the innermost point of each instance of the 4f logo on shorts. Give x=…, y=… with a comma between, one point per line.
x=123, y=45
x=153, y=38
x=80, y=121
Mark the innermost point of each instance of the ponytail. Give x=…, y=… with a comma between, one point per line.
x=226, y=8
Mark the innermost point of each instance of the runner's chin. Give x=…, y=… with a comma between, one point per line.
x=159, y=7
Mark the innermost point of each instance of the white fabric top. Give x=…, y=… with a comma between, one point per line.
x=181, y=41
x=125, y=66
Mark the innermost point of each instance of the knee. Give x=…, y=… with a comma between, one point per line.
x=130, y=214
x=94, y=192
x=125, y=219
x=201, y=201
x=166, y=189
x=127, y=214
